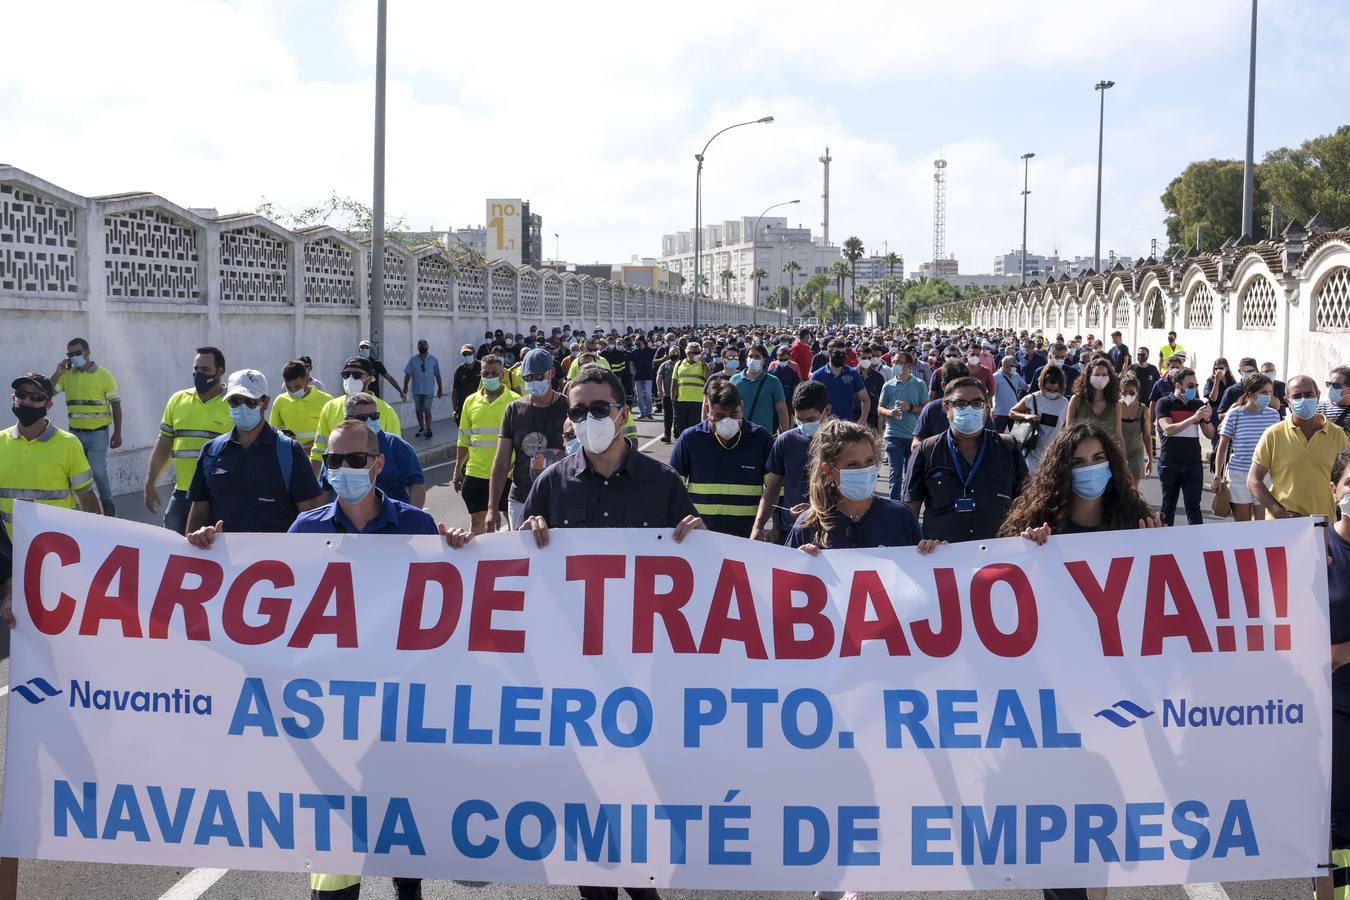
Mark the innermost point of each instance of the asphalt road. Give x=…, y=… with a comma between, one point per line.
x=42, y=880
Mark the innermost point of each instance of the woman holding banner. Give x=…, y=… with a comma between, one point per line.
x=1082, y=484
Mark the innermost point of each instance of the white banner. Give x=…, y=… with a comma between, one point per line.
x=1117, y=709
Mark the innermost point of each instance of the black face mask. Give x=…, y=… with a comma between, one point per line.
x=29, y=415
x=837, y=359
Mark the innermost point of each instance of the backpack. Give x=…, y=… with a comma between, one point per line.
x=285, y=456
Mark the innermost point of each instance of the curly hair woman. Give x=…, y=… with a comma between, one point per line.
x=1096, y=398
x=1082, y=484
x=844, y=511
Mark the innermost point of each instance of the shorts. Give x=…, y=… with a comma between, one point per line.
x=475, y=494
x=422, y=403
x=1237, y=488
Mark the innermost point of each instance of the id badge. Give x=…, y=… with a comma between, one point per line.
x=965, y=504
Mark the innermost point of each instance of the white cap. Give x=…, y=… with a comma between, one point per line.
x=246, y=383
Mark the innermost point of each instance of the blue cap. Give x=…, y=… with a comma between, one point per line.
x=536, y=362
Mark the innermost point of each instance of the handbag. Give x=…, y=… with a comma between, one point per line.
x=1222, y=504
x=1028, y=434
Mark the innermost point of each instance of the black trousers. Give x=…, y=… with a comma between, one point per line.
x=668, y=414
x=688, y=413
x=404, y=889
x=1065, y=893
x=612, y=893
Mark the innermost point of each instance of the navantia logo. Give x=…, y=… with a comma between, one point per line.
x=27, y=692
x=1123, y=713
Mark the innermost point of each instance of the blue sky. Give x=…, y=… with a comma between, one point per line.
x=593, y=110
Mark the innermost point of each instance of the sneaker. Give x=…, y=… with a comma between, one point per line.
x=109, y=509
x=420, y=433
x=665, y=439
x=427, y=435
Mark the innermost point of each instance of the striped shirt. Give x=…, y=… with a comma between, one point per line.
x=1244, y=429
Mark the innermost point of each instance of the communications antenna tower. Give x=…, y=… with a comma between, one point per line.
x=939, y=210
x=825, y=195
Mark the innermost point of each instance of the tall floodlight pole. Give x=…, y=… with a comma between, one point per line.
x=698, y=206
x=1248, y=166
x=1026, y=170
x=377, y=206
x=754, y=259
x=1102, y=86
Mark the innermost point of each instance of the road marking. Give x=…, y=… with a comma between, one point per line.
x=442, y=465
x=194, y=884
x=1206, y=891
x=4, y=689
x=652, y=443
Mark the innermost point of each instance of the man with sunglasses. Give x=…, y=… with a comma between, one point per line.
x=357, y=378
x=530, y=439
x=608, y=483
x=423, y=372
x=252, y=480
x=191, y=418
x=400, y=477
x=93, y=405
x=355, y=465
x=964, y=479
x=38, y=461
x=480, y=424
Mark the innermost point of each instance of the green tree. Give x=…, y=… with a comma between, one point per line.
x=758, y=276
x=853, y=251
x=838, y=271
x=781, y=298
x=810, y=293
x=791, y=267
x=1313, y=178
x=726, y=277
x=1207, y=195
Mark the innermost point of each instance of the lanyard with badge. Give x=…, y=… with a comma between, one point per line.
x=965, y=504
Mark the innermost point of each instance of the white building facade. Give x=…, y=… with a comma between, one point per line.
x=728, y=245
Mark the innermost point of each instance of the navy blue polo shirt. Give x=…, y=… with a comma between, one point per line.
x=395, y=517
x=642, y=493
x=843, y=390
x=725, y=482
x=788, y=460
x=402, y=469
x=887, y=523
x=245, y=489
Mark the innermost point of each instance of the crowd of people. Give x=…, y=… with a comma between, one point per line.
x=777, y=436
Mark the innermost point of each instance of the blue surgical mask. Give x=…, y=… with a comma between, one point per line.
x=364, y=352
x=1090, y=481
x=808, y=428
x=78, y=362
x=537, y=388
x=1189, y=394
x=1262, y=401
x=245, y=419
x=969, y=420
x=1304, y=407
x=572, y=447
x=1333, y=393
x=731, y=365
x=857, y=484
x=351, y=485
x=296, y=395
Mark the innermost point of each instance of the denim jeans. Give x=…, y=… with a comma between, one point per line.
x=176, y=513
x=1184, y=479
x=95, y=444
x=644, y=397
x=897, y=457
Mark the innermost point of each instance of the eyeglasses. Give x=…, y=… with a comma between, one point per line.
x=962, y=404
x=364, y=417
x=356, y=460
x=237, y=401
x=600, y=409
x=543, y=377
x=31, y=398
x=355, y=373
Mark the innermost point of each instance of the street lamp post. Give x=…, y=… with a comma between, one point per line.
x=754, y=259
x=1026, y=169
x=1102, y=86
x=1248, y=165
x=698, y=205
x=377, y=200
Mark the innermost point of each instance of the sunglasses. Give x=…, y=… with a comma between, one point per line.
x=364, y=417
x=355, y=373
x=74, y=353
x=356, y=460
x=237, y=401
x=600, y=409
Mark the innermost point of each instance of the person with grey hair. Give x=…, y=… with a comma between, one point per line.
x=1008, y=389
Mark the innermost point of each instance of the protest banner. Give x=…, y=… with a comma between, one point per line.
x=1116, y=709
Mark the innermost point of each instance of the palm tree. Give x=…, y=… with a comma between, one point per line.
x=860, y=295
x=758, y=275
x=811, y=292
x=727, y=277
x=838, y=271
x=853, y=251
x=791, y=267
x=702, y=282
x=891, y=259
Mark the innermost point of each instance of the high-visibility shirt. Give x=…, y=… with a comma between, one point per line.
x=725, y=481
x=89, y=397
x=480, y=424
x=576, y=366
x=689, y=380
x=190, y=423
x=51, y=469
x=511, y=378
x=319, y=882
x=300, y=417
x=630, y=427
x=335, y=410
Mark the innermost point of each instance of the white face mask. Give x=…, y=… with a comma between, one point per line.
x=1099, y=381
x=1128, y=399
x=595, y=434
x=973, y=359
x=1344, y=505
x=727, y=428
x=352, y=385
